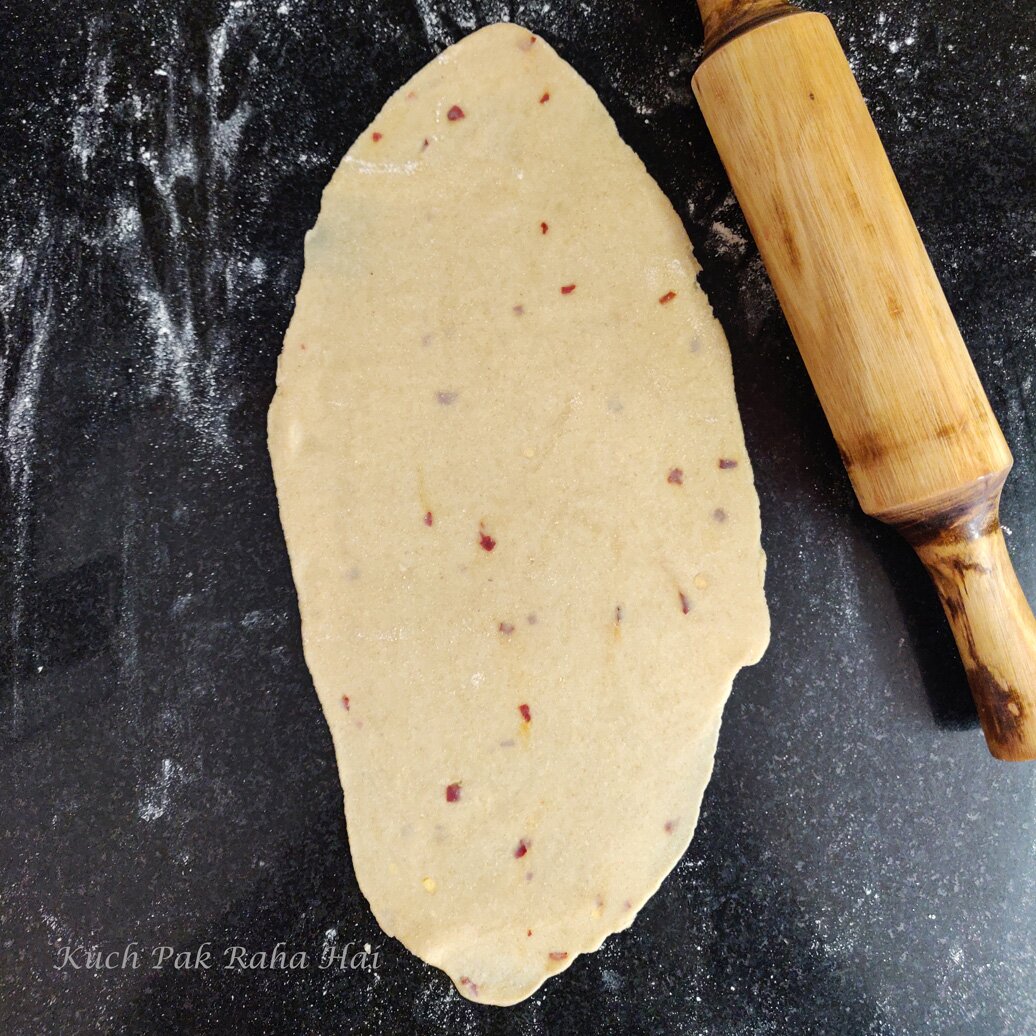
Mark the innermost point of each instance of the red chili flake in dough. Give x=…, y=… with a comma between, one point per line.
x=485, y=541
x=446, y=398
x=429, y=519
x=685, y=603
x=568, y=289
x=667, y=297
x=558, y=955
x=529, y=933
x=302, y=346
x=375, y=137
x=675, y=477
x=455, y=113
x=345, y=701
x=506, y=628
x=726, y=464
x=544, y=227
x=523, y=848
x=519, y=310
x=411, y=94
x=669, y=826
x=531, y=619
x=719, y=515
x=424, y=144
x=465, y=981
x=453, y=792
x=526, y=713
x=545, y=98
x=526, y=44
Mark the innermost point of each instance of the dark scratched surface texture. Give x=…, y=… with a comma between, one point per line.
x=861, y=867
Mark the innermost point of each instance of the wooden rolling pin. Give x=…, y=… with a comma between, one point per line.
x=913, y=424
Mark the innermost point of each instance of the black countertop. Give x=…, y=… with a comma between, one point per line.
x=861, y=866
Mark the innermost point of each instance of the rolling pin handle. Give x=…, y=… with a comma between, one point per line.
x=724, y=19
x=963, y=548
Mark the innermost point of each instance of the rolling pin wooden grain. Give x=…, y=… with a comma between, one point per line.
x=913, y=424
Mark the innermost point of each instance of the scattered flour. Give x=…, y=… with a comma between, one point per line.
x=87, y=123
x=156, y=797
x=730, y=241
x=433, y=25
x=183, y=315
x=26, y=302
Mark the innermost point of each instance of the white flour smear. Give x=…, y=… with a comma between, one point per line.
x=27, y=306
x=183, y=305
x=88, y=121
x=432, y=22
x=157, y=795
x=167, y=233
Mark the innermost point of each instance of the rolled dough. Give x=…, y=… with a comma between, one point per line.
x=520, y=515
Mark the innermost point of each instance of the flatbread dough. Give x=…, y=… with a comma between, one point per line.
x=520, y=515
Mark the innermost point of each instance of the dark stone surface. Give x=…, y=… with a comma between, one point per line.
x=862, y=865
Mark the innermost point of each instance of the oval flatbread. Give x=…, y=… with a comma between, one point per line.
x=520, y=515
